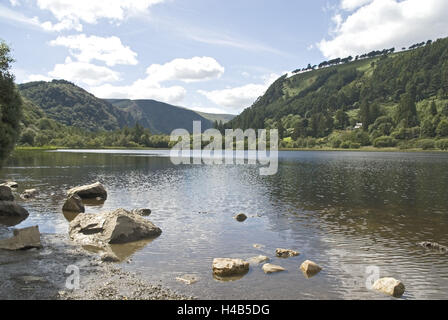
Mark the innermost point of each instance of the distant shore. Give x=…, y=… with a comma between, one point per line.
x=362, y=149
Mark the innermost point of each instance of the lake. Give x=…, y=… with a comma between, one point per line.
x=353, y=213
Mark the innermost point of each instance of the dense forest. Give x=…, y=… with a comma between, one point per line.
x=381, y=99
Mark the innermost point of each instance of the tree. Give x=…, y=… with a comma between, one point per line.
x=406, y=113
x=342, y=120
x=433, y=109
x=442, y=128
x=10, y=104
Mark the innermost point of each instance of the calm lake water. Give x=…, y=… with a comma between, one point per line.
x=347, y=211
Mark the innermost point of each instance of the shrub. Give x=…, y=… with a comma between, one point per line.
x=345, y=145
x=384, y=142
x=355, y=145
x=426, y=144
x=442, y=144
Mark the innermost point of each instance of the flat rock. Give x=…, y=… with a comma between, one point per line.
x=6, y=193
x=241, y=217
x=119, y=226
x=259, y=246
x=91, y=191
x=23, y=239
x=258, y=260
x=142, y=212
x=310, y=268
x=74, y=204
x=188, y=279
x=226, y=267
x=272, y=268
x=286, y=253
x=390, y=286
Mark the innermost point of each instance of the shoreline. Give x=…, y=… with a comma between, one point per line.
x=324, y=149
x=47, y=278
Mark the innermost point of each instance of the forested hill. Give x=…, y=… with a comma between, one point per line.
x=398, y=97
x=72, y=106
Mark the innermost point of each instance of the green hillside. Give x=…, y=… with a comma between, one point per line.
x=400, y=99
x=71, y=105
x=224, y=118
x=159, y=117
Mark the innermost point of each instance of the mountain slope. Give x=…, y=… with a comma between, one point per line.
x=160, y=117
x=390, y=94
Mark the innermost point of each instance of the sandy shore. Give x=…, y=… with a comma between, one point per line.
x=42, y=275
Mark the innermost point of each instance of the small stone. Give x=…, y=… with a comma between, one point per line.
x=109, y=257
x=310, y=268
x=390, y=286
x=272, y=268
x=142, y=212
x=259, y=246
x=286, y=253
x=29, y=193
x=241, y=217
x=74, y=204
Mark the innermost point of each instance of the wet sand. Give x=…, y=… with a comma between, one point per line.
x=41, y=275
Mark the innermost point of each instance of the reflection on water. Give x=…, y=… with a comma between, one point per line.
x=346, y=211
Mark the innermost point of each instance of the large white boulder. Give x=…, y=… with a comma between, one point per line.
x=226, y=267
x=272, y=268
x=119, y=226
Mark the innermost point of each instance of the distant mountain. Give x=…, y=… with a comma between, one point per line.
x=160, y=117
x=72, y=106
x=224, y=118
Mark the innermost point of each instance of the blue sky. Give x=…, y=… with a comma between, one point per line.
x=208, y=55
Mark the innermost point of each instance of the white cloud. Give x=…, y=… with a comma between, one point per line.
x=79, y=73
x=109, y=50
x=238, y=98
x=186, y=70
x=383, y=24
x=141, y=89
x=37, y=77
x=74, y=13
x=353, y=4
x=16, y=17
x=14, y=2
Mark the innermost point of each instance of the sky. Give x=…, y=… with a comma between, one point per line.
x=208, y=55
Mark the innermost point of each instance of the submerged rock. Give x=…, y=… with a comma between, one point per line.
x=6, y=193
x=10, y=209
x=310, y=268
x=272, y=268
x=28, y=238
x=434, y=246
x=142, y=212
x=29, y=194
x=91, y=191
x=226, y=267
x=241, y=217
x=188, y=279
x=74, y=204
x=119, y=226
x=286, y=253
x=258, y=260
x=390, y=286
